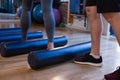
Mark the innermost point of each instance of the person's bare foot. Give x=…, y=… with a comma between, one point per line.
x=50, y=46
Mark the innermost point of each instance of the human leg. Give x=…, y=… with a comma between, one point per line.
x=114, y=19
x=94, y=57
x=49, y=21
x=25, y=21
x=95, y=29
x=111, y=13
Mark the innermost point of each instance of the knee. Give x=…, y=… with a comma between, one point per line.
x=26, y=8
x=88, y=11
x=91, y=11
x=109, y=18
x=47, y=10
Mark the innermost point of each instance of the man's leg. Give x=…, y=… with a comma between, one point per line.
x=94, y=57
x=114, y=20
x=95, y=29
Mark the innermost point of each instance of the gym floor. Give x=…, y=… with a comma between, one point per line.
x=17, y=68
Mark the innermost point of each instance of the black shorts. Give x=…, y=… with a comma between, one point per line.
x=91, y=2
x=104, y=6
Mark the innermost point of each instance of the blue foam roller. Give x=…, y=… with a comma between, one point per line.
x=18, y=36
x=40, y=59
x=9, y=30
x=23, y=47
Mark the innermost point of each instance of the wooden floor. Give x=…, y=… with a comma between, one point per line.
x=17, y=68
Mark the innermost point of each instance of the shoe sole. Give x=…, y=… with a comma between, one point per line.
x=87, y=63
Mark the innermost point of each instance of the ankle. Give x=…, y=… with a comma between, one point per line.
x=50, y=45
x=95, y=56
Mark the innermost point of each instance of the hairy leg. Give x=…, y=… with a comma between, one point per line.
x=95, y=28
x=114, y=20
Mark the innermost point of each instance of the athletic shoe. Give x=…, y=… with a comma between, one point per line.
x=88, y=59
x=113, y=76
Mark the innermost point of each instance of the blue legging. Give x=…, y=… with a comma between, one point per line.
x=48, y=17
